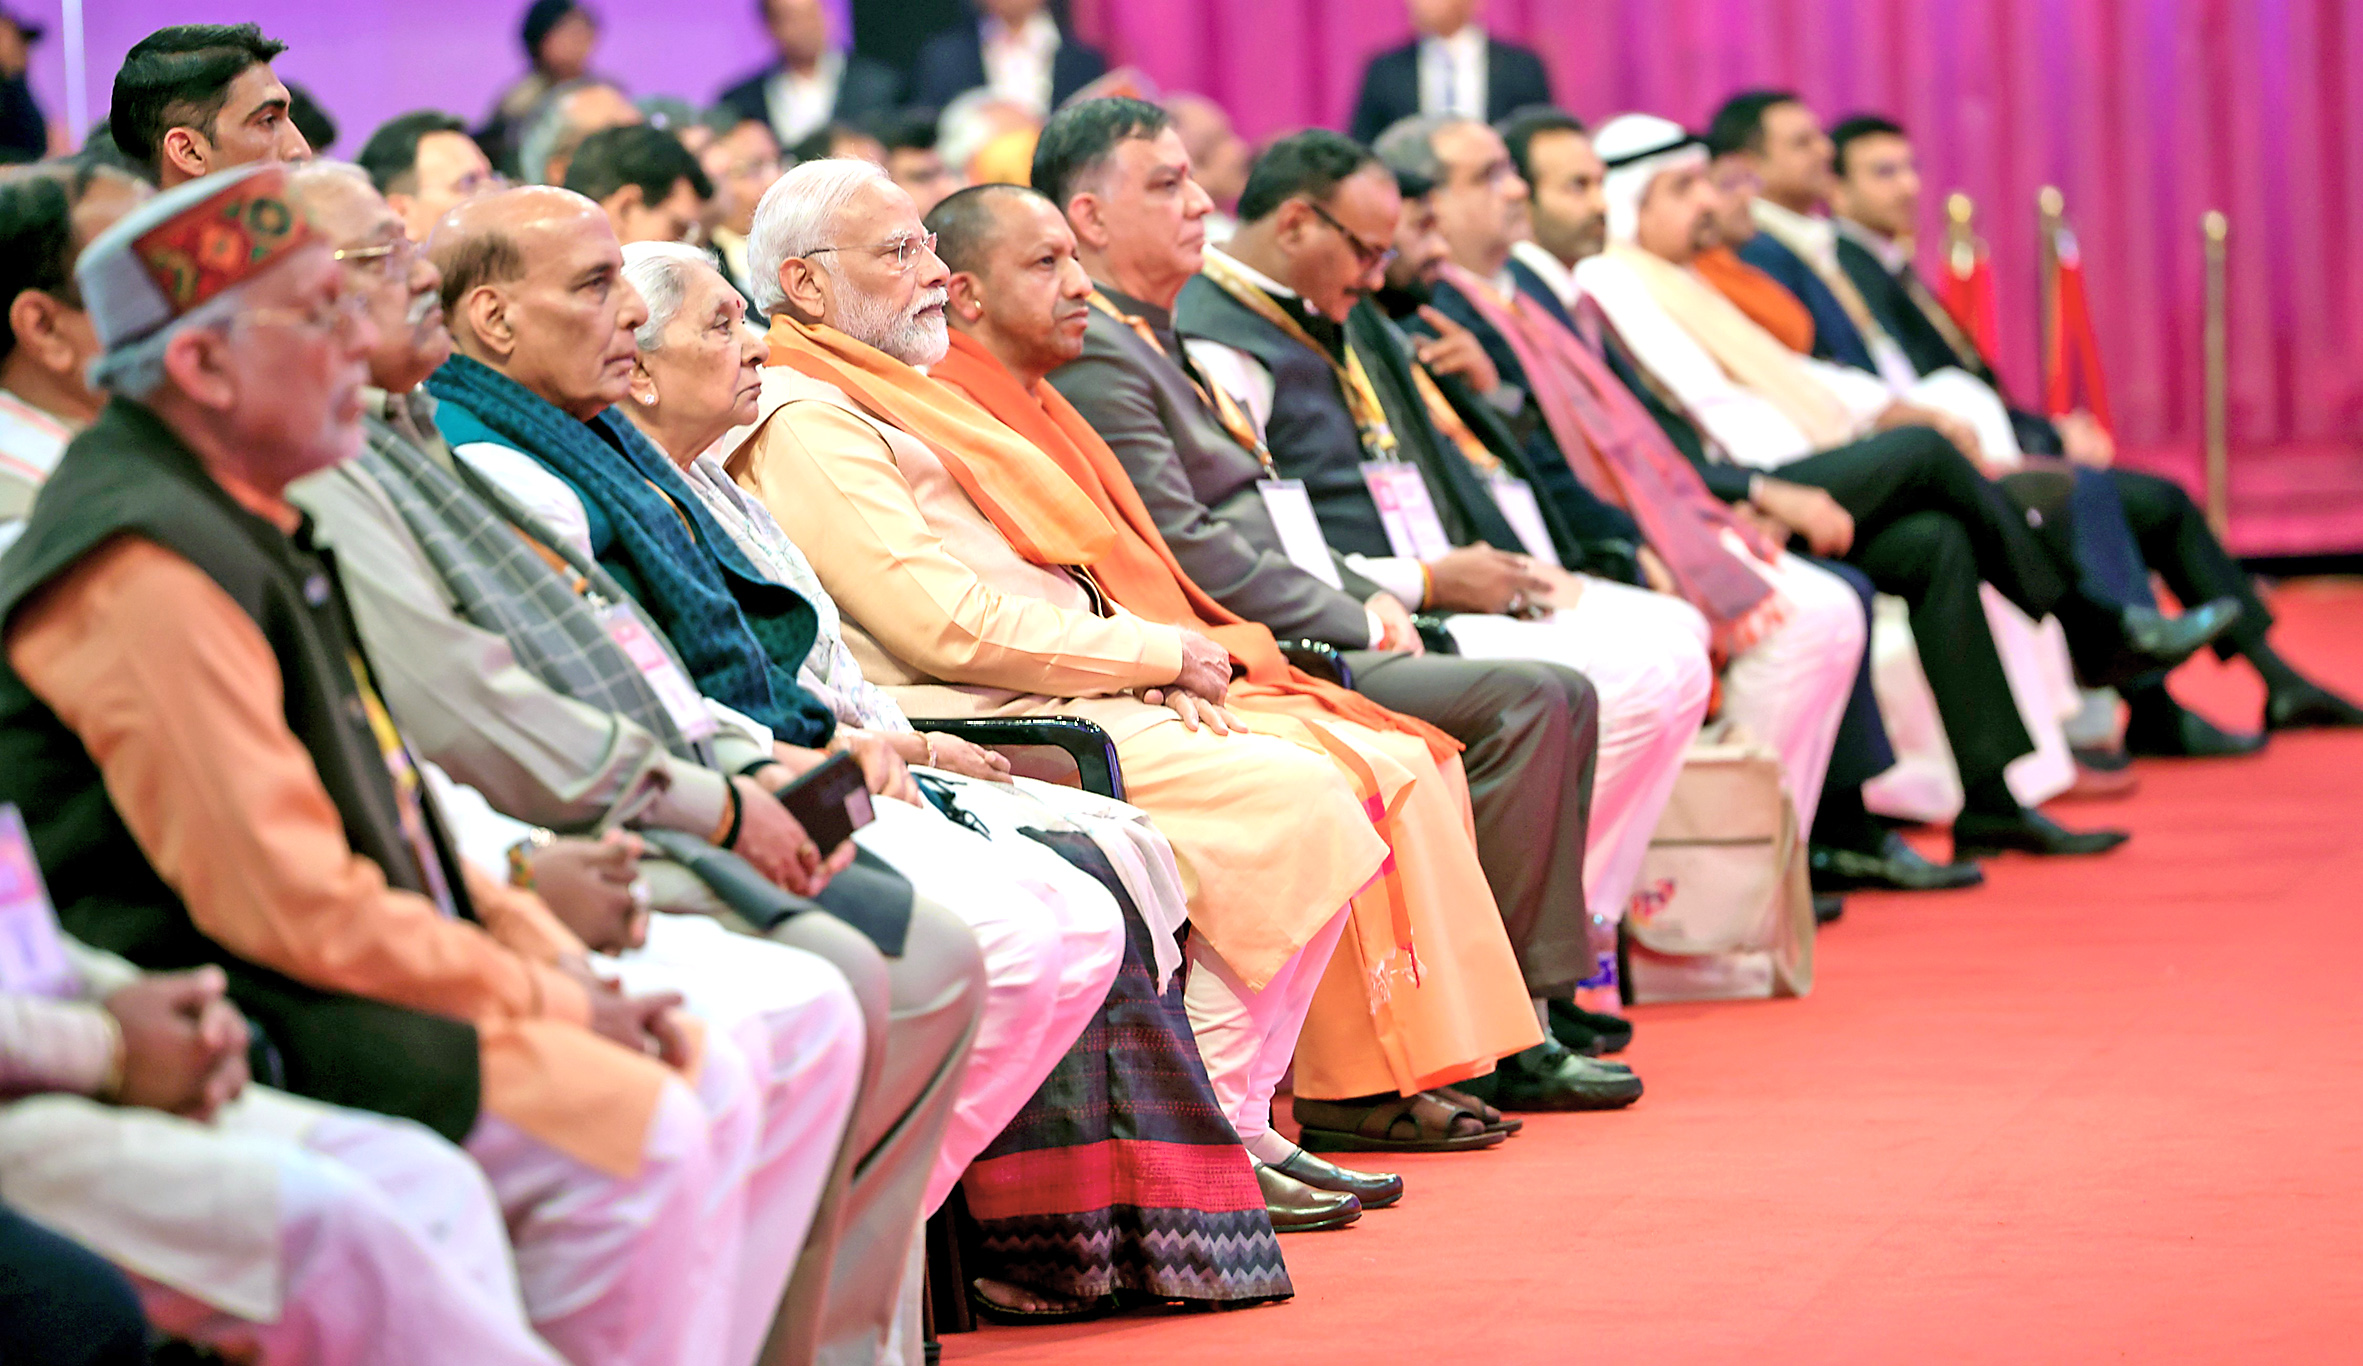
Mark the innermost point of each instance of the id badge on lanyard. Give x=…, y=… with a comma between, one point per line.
x=681, y=699
x=33, y=959
x=1414, y=531
x=1525, y=515
x=1291, y=511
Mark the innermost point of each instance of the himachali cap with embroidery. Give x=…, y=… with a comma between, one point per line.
x=175, y=252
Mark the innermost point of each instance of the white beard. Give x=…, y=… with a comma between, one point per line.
x=907, y=336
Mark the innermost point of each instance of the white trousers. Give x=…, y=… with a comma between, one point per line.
x=1248, y=1037
x=617, y=1271
x=1791, y=688
x=1646, y=656
x=781, y=1113
x=1925, y=784
x=1965, y=396
x=1052, y=938
x=387, y=1250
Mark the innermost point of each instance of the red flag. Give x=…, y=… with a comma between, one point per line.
x=2073, y=364
x=1968, y=294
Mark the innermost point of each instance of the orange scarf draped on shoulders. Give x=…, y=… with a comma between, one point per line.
x=1764, y=299
x=1050, y=484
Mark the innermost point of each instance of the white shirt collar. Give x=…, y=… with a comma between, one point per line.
x=1255, y=277
x=1889, y=250
x=1461, y=42
x=1556, y=273
x=1039, y=34
x=1773, y=217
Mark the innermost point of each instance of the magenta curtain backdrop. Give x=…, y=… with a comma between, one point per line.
x=2145, y=113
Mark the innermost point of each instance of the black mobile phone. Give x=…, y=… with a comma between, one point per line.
x=830, y=802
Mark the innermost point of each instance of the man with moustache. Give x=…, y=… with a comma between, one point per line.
x=1790, y=683
x=1126, y=183
x=1276, y=322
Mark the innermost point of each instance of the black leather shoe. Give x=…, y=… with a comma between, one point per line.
x=2181, y=733
x=1828, y=907
x=1298, y=1208
x=1549, y=1076
x=2158, y=641
x=1376, y=1190
x=1982, y=832
x=1589, y=1032
x=1897, y=867
x=2309, y=705
x=2101, y=760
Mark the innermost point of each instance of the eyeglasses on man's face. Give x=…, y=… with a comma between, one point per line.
x=904, y=250
x=382, y=260
x=1370, y=258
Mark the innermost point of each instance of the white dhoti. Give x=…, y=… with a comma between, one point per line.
x=1646, y=656
x=1052, y=937
x=777, y=1111
x=284, y=1232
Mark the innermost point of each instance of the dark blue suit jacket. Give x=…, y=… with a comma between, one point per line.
x=953, y=63
x=1514, y=78
x=1835, y=337
x=864, y=88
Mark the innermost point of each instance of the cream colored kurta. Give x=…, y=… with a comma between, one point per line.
x=942, y=611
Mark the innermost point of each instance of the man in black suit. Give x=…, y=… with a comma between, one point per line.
x=1453, y=67
x=1876, y=197
x=812, y=83
x=1016, y=48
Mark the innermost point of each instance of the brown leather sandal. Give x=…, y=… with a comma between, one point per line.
x=1423, y=1123
x=1495, y=1120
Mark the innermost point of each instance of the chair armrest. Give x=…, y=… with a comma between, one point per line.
x=1320, y=660
x=1083, y=744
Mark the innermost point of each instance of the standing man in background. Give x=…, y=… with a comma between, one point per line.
x=813, y=82
x=1453, y=67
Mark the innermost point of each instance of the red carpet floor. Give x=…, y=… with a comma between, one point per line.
x=2108, y=1110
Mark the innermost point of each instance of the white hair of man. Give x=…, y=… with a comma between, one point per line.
x=137, y=371
x=661, y=271
x=800, y=217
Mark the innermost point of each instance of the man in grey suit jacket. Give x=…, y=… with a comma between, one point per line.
x=1118, y=169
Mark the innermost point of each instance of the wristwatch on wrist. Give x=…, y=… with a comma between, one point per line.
x=521, y=856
